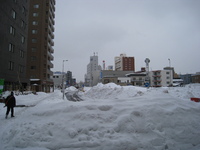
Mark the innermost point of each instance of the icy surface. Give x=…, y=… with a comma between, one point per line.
x=110, y=117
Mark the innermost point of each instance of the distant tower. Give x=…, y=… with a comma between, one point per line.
x=147, y=61
x=104, y=65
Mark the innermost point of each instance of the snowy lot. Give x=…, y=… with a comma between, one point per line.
x=109, y=117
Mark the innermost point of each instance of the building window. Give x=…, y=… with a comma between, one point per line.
x=35, y=23
x=35, y=14
x=33, y=67
x=11, y=47
x=21, y=53
x=23, y=25
x=21, y=68
x=13, y=14
x=34, y=40
x=34, y=31
x=36, y=6
x=33, y=76
x=23, y=10
x=11, y=65
x=22, y=39
x=12, y=30
x=33, y=49
x=33, y=58
x=167, y=72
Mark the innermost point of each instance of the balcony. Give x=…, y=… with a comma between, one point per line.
x=50, y=72
x=50, y=48
x=156, y=75
x=50, y=56
x=50, y=64
x=157, y=80
x=50, y=42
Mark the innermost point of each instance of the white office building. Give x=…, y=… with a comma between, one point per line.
x=93, y=71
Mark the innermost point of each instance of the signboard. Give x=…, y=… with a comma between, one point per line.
x=146, y=84
x=1, y=85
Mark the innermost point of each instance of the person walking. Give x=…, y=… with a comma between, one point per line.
x=10, y=102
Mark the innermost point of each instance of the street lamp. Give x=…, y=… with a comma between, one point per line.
x=63, y=78
x=170, y=71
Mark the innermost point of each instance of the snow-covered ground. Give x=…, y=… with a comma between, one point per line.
x=109, y=117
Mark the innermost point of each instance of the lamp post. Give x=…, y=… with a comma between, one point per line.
x=63, y=79
x=170, y=71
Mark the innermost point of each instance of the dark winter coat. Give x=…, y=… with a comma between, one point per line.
x=10, y=101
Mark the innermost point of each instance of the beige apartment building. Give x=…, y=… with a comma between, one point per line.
x=40, y=44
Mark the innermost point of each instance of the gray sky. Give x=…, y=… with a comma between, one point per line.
x=154, y=29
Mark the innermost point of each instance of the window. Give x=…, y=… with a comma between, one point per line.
x=21, y=68
x=34, y=31
x=11, y=47
x=12, y=30
x=23, y=10
x=33, y=76
x=36, y=6
x=34, y=40
x=33, y=67
x=22, y=39
x=33, y=58
x=167, y=72
x=13, y=14
x=33, y=49
x=21, y=53
x=167, y=77
x=11, y=65
x=23, y=25
x=35, y=14
x=35, y=23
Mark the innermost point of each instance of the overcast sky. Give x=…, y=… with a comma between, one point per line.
x=154, y=29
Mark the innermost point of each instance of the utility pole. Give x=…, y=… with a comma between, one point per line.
x=63, y=79
x=147, y=78
x=170, y=83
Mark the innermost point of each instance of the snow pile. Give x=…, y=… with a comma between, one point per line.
x=193, y=90
x=111, y=90
x=110, y=117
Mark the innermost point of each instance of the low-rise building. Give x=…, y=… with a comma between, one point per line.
x=187, y=78
x=196, y=78
x=160, y=78
x=137, y=79
x=117, y=77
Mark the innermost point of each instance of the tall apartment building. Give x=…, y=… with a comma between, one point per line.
x=40, y=43
x=13, y=43
x=124, y=63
